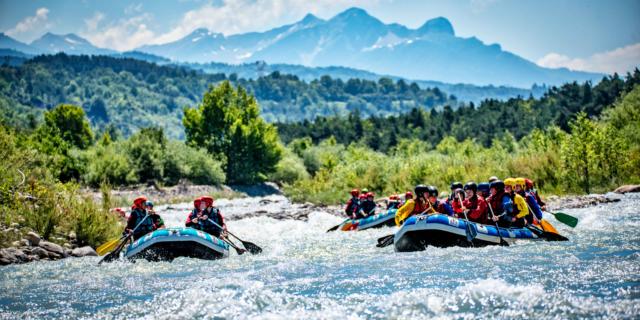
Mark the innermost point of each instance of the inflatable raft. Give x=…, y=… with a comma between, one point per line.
x=168, y=244
x=375, y=221
x=440, y=230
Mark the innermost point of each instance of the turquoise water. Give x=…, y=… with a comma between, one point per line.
x=307, y=273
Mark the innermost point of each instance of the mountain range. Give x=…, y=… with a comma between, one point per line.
x=352, y=39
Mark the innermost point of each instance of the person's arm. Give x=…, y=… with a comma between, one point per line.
x=479, y=211
x=533, y=204
x=522, y=206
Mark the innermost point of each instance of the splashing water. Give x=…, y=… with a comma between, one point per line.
x=307, y=273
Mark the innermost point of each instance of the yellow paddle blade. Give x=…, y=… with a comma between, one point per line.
x=546, y=226
x=108, y=247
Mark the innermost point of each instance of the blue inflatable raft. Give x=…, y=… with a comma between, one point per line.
x=168, y=244
x=375, y=221
x=440, y=230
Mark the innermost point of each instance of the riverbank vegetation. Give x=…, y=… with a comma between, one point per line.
x=576, y=138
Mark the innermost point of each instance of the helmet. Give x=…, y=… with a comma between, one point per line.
x=433, y=191
x=528, y=183
x=370, y=194
x=484, y=187
x=498, y=185
x=456, y=185
x=148, y=204
x=393, y=197
x=196, y=202
x=208, y=200
x=139, y=201
x=471, y=186
x=355, y=192
x=408, y=195
x=511, y=182
x=362, y=196
x=519, y=182
x=493, y=178
x=420, y=190
x=365, y=190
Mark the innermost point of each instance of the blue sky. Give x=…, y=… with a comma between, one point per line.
x=586, y=35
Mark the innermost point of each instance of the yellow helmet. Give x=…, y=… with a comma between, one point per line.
x=511, y=182
x=520, y=182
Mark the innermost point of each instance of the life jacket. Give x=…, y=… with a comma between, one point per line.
x=194, y=213
x=368, y=207
x=496, y=202
x=442, y=206
x=353, y=206
x=137, y=219
x=421, y=207
x=208, y=226
x=477, y=209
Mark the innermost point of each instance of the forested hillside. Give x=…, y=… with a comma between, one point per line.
x=133, y=94
x=483, y=123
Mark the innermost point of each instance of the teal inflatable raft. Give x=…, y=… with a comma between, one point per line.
x=168, y=244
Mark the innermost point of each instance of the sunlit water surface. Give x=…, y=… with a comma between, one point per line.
x=307, y=273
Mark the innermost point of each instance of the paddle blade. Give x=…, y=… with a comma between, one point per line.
x=571, y=221
x=471, y=232
x=334, y=228
x=385, y=241
x=108, y=247
x=251, y=247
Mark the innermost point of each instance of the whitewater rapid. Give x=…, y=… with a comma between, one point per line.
x=306, y=273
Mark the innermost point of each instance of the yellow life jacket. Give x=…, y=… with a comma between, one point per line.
x=521, y=205
x=405, y=211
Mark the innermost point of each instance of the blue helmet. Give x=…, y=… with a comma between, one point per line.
x=484, y=187
x=149, y=204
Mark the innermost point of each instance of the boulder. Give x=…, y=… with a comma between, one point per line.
x=54, y=256
x=33, y=258
x=7, y=257
x=16, y=244
x=72, y=236
x=84, y=252
x=33, y=237
x=42, y=253
x=24, y=243
x=628, y=188
x=51, y=247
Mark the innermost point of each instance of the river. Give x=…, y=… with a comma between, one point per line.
x=305, y=273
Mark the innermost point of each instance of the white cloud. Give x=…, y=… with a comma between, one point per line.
x=237, y=16
x=133, y=9
x=122, y=35
x=31, y=24
x=620, y=60
x=479, y=6
x=93, y=22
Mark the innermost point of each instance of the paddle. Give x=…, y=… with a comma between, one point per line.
x=571, y=221
x=502, y=242
x=334, y=228
x=239, y=250
x=470, y=232
x=108, y=246
x=115, y=253
x=251, y=247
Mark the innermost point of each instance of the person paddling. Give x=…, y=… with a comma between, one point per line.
x=157, y=221
x=211, y=218
x=353, y=204
x=474, y=204
x=368, y=206
x=501, y=204
x=192, y=217
x=414, y=206
x=520, y=209
x=138, y=217
x=440, y=206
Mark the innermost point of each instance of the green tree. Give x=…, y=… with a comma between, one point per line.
x=227, y=123
x=578, y=151
x=70, y=123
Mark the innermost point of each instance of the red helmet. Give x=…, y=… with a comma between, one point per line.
x=362, y=196
x=370, y=194
x=196, y=202
x=393, y=197
x=139, y=202
x=208, y=200
x=528, y=183
x=355, y=192
x=408, y=195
